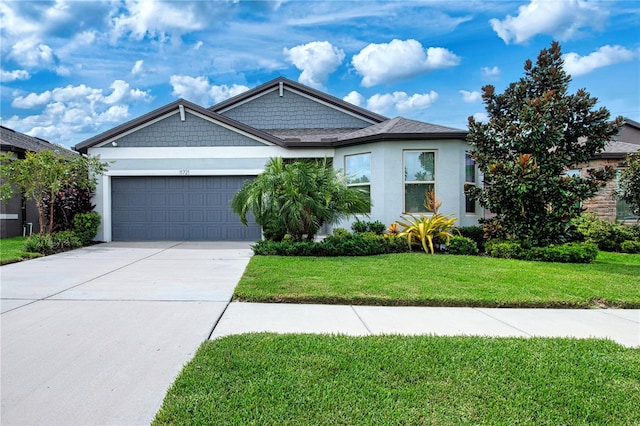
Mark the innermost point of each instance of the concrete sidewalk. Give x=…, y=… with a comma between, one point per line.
x=96, y=336
x=619, y=325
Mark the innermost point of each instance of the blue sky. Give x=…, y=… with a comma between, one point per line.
x=72, y=69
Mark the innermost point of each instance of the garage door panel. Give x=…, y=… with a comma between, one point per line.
x=193, y=208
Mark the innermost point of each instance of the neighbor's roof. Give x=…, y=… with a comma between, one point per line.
x=11, y=140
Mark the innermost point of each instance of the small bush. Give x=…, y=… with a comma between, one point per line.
x=606, y=235
x=563, y=253
x=39, y=243
x=630, y=246
x=462, y=246
x=86, y=226
x=65, y=240
x=476, y=233
x=376, y=227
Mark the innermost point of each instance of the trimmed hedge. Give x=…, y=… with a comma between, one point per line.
x=476, y=233
x=564, y=253
x=361, y=244
x=606, y=235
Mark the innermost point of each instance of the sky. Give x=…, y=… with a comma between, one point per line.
x=72, y=69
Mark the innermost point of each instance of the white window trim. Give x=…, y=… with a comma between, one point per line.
x=466, y=182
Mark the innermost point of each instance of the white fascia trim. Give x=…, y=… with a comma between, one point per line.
x=256, y=96
x=320, y=101
x=135, y=129
x=8, y=216
x=186, y=173
x=110, y=153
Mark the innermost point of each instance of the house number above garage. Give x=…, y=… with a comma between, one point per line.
x=184, y=172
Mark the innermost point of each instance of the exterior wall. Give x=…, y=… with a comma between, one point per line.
x=292, y=111
x=387, y=178
x=11, y=217
x=195, y=161
x=194, y=131
x=604, y=204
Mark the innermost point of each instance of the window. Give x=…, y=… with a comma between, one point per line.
x=419, y=178
x=358, y=171
x=469, y=180
x=623, y=209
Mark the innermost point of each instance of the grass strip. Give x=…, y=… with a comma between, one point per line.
x=416, y=279
x=12, y=250
x=257, y=379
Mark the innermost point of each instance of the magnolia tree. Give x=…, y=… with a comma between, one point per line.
x=43, y=175
x=536, y=132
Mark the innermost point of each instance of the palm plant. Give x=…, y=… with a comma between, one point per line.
x=426, y=229
x=297, y=199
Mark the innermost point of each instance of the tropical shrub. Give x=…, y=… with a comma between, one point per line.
x=476, y=233
x=65, y=240
x=68, y=202
x=426, y=229
x=606, y=235
x=298, y=198
x=341, y=233
x=629, y=183
x=39, y=243
x=86, y=226
x=462, y=246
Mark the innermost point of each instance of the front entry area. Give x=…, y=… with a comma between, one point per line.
x=177, y=208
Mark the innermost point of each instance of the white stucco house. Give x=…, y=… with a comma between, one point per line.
x=175, y=169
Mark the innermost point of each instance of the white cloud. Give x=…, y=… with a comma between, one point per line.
x=577, y=65
x=200, y=91
x=31, y=53
x=481, y=116
x=316, y=60
x=354, y=98
x=470, y=97
x=559, y=19
x=70, y=111
x=490, y=72
x=401, y=102
x=138, y=67
x=397, y=60
x=9, y=76
x=153, y=19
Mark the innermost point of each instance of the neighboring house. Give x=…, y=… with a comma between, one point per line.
x=605, y=205
x=175, y=169
x=19, y=216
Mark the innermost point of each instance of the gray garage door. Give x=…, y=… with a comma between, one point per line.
x=185, y=208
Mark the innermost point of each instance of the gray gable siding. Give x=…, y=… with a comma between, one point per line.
x=291, y=111
x=194, y=131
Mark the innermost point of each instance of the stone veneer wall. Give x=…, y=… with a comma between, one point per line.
x=604, y=204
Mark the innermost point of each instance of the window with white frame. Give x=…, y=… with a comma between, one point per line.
x=357, y=169
x=419, y=178
x=469, y=180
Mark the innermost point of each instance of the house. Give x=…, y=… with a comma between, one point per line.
x=605, y=204
x=19, y=216
x=175, y=169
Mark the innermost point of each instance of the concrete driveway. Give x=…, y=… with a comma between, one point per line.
x=96, y=336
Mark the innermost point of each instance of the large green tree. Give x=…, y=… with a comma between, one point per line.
x=298, y=198
x=42, y=175
x=536, y=132
x=629, y=183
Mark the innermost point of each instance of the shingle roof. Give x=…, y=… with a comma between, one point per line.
x=11, y=140
x=402, y=127
x=618, y=150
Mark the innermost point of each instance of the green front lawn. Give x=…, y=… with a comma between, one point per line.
x=267, y=379
x=442, y=280
x=12, y=250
